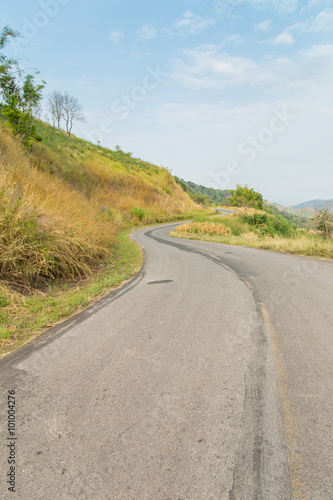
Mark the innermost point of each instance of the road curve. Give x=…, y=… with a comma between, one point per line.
x=225, y=211
x=208, y=376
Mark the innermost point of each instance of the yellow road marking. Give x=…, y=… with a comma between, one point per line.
x=298, y=484
x=248, y=283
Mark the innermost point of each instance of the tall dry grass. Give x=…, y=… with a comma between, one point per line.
x=47, y=229
x=301, y=243
x=62, y=204
x=204, y=228
x=113, y=179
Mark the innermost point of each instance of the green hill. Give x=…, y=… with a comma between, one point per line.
x=312, y=204
x=203, y=194
x=63, y=201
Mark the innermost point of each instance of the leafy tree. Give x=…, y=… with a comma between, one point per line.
x=20, y=96
x=243, y=196
x=199, y=198
x=181, y=183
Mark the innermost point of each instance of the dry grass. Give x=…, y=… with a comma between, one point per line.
x=301, y=244
x=22, y=318
x=204, y=228
x=36, y=245
x=113, y=179
x=61, y=206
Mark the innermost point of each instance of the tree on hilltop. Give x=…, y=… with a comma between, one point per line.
x=243, y=196
x=20, y=94
x=55, y=106
x=66, y=107
x=72, y=111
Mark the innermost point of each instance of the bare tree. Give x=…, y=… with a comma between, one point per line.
x=325, y=220
x=55, y=105
x=37, y=112
x=72, y=111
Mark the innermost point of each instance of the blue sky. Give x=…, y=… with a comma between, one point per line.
x=220, y=92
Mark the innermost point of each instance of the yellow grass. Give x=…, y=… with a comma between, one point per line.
x=302, y=244
x=204, y=228
x=61, y=206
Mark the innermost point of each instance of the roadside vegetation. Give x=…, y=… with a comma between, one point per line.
x=261, y=228
x=67, y=207
x=25, y=316
x=63, y=205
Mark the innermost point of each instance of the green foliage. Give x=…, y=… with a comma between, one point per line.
x=199, y=198
x=139, y=212
x=20, y=98
x=212, y=196
x=181, y=183
x=243, y=196
x=269, y=225
x=235, y=222
x=297, y=220
x=255, y=219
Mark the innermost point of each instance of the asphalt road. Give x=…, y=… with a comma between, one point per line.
x=225, y=211
x=208, y=376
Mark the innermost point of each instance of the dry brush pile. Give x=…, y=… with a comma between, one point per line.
x=204, y=228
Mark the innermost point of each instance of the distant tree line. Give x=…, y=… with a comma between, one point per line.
x=202, y=194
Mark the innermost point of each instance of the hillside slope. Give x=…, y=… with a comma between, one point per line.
x=62, y=204
x=204, y=194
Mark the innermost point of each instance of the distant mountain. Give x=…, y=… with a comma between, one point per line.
x=304, y=210
x=300, y=214
x=314, y=204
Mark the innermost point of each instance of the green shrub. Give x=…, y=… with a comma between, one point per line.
x=255, y=219
x=139, y=212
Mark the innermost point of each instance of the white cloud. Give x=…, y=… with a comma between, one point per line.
x=319, y=52
x=192, y=23
x=284, y=6
x=236, y=39
x=323, y=21
x=214, y=134
x=115, y=36
x=264, y=26
x=283, y=39
x=206, y=67
x=311, y=5
x=146, y=32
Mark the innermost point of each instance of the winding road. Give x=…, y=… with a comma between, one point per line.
x=207, y=376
